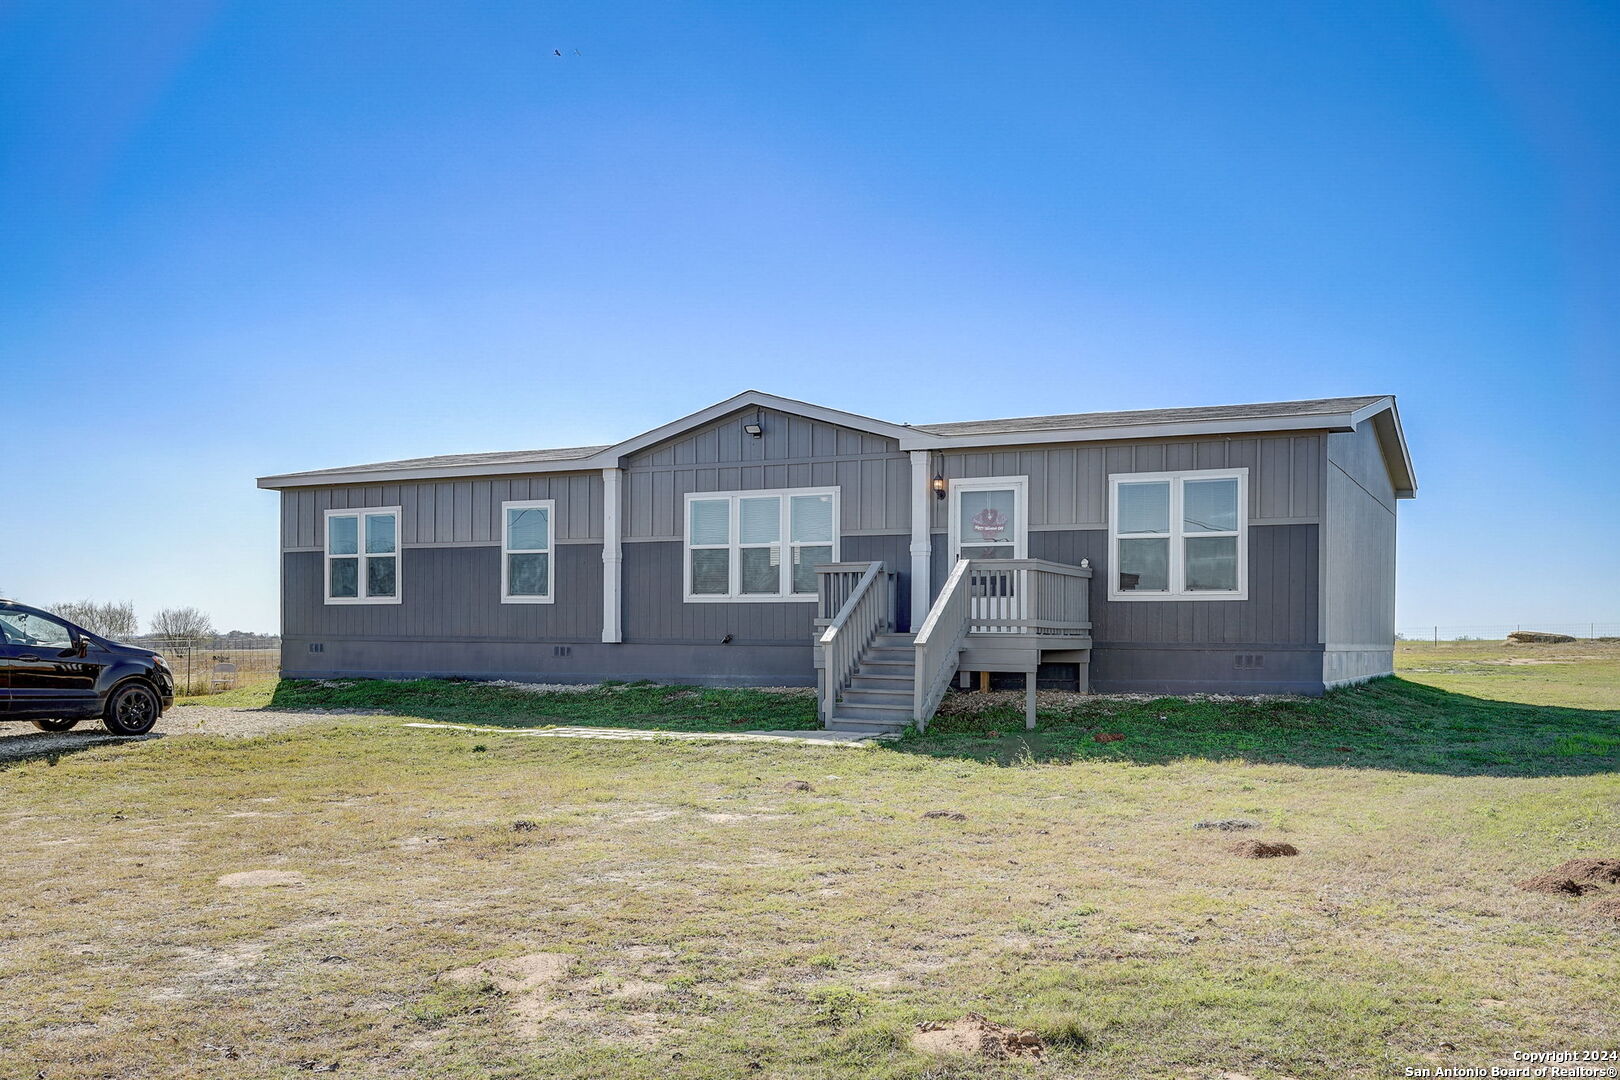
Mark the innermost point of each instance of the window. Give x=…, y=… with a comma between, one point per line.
x=526, y=567
x=362, y=556
x=26, y=630
x=759, y=545
x=1179, y=536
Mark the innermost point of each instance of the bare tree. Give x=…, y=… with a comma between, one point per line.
x=182, y=626
x=114, y=619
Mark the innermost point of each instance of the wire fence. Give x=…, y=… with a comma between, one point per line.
x=1499, y=631
x=211, y=665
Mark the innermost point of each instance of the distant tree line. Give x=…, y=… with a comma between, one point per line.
x=182, y=627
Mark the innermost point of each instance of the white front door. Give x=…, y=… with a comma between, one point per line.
x=990, y=520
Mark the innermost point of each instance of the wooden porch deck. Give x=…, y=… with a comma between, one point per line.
x=991, y=615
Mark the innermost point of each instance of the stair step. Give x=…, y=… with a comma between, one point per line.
x=896, y=641
x=895, y=698
x=900, y=714
x=866, y=727
x=899, y=656
x=880, y=666
x=902, y=683
x=905, y=675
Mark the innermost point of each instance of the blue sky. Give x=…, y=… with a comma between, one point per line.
x=248, y=238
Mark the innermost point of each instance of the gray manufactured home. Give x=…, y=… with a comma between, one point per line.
x=764, y=541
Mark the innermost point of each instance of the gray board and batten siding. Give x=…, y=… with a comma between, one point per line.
x=1358, y=561
x=450, y=619
x=1267, y=643
x=871, y=472
x=1319, y=609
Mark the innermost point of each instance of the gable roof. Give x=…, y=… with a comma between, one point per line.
x=502, y=461
x=577, y=458
x=1315, y=407
x=1331, y=414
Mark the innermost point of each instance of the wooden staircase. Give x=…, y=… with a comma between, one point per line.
x=990, y=615
x=878, y=699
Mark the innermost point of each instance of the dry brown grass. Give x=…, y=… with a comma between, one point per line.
x=699, y=919
x=194, y=673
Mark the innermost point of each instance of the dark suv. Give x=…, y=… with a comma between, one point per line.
x=56, y=674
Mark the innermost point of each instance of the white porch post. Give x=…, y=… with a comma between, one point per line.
x=921, y=538
x=612, y=557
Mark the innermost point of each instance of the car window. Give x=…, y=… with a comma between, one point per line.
x=26, y=628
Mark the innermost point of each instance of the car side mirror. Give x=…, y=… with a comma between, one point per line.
x=81, y=648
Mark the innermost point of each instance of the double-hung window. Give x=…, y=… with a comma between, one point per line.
x=759, y=545
x=527, y=570
x=1179, y=536
x=362, y=556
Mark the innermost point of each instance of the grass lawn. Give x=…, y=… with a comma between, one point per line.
x=685, y=914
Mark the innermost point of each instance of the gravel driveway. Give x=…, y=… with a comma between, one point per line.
x=23, y=740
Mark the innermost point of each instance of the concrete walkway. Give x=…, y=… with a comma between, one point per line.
x=802, y=738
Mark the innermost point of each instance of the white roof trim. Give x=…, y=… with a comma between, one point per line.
x=1386, y=420
x=424, y=472
x=1165, y=430
x=767, y=401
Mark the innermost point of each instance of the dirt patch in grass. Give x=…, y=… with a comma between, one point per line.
x=543, y=1003
x=1262, y=849
x=974, y=1035
x=945, y=815
x=526, y=980
x=1574, y=877
x=1228, y=824
x=1607, y=909
x=419, y=843
x=249, y=879
x=512, y=974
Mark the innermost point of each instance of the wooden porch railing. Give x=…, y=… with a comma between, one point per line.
x=939, y=644
x=995, y=596
x=860, y=598
x=1030, y=596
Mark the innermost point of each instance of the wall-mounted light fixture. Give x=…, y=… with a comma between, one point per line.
x=939, y=485
x=755, y=429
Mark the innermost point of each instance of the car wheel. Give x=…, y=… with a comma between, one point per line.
x=54, y=725
x=131, y=710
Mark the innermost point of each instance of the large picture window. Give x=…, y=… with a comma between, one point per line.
x=759, y=545
x=1179, y=536
x=527, y=570
x=362, y=556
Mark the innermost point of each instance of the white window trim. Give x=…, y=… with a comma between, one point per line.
x=1020, y=488
x=1177, y=591
x=550, y=506
x=734, y=545
x=360, y=513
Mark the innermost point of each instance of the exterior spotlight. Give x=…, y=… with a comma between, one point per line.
x=939, y=486
x=754, y=429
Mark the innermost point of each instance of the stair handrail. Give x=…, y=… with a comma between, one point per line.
x=939, y=644
x=863, y=616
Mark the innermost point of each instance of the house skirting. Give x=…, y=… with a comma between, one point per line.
x=1349, y=665
x=554, y=662
x=1150, y=668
